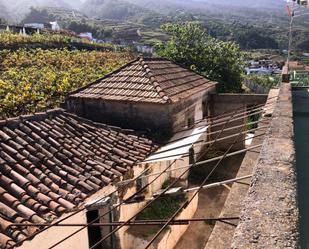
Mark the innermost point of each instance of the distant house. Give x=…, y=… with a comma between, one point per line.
x=306, y=54
x=260, y=71
x=296, y=65
x=152, y=94
x=34, y=25
x=126, y=37
x=55, y=25
x=86, y=35
x=145, y=49
x=262, y=67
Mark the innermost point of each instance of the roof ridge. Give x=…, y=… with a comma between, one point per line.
x=30, y=117
x=153, y=81
x=156, y=59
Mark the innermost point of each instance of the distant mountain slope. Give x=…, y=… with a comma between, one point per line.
x=48, y=14
x=19, y=8
x=248, y=3
x=210, y=5
x=114, y=9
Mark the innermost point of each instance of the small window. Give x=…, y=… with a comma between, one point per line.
x=190, y=122
x=205, y=109
x=141, y=182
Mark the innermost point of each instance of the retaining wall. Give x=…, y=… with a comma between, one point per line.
x=270, y=215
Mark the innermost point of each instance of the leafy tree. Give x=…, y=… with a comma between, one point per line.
x=192, y=47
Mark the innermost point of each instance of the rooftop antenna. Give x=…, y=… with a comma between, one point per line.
x=295, y=9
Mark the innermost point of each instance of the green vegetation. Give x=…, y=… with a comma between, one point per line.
x=36, y=79
x=266, y=81
x=252, y=24
x=192, y=47
x=163, y=208
x=45, y=41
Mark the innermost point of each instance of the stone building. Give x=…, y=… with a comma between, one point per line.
x=55, y=163
x=51, y=164
x=151, y=94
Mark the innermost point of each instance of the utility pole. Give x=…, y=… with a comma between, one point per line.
x=290, y=38
x=292, y=11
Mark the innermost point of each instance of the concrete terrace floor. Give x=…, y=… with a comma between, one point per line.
x=211, y=202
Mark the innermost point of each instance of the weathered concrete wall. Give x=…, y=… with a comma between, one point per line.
x=174, y=233
x=270, y=215
x=54, y=234
x=225, y=103
x=168, y=118
x=195, y=107
x=140, y=116
x=127, y=211
x=169, y=238
x=222, y=234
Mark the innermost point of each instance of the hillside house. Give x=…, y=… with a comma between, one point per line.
x=147, y=94
x=86, y=35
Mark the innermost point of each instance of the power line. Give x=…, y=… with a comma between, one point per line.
x=125, y=201
x=229, y=112
x=216, y=125
x=157, y=197
x=132, y=223
x=206, y=161
x=209, y=133
x=217, y=184
x=97, y=201
x=80, y=210
x=183, y=206
x=205, y=143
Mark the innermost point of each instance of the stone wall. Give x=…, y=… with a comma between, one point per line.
x=127, y=240
x=168, y=238
x=222, y=234
x=152, y=117
x=270, y=215
x=139, y=116
x=227, y=103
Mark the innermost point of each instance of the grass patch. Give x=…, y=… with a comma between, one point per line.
x=163, y=208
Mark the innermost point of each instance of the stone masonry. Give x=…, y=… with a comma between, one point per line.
x=270, y=215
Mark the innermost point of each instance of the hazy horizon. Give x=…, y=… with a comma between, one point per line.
x=16, y=10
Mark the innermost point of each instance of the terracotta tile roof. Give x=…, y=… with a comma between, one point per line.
x=154, y=80
x=50, y=162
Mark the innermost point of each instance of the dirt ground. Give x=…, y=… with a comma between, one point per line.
x=198, y=233
x=211, y=202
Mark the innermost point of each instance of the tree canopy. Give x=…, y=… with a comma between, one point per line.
x=192, y=47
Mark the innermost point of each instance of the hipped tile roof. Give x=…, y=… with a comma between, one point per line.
x=154, y=80
x=50, y=162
